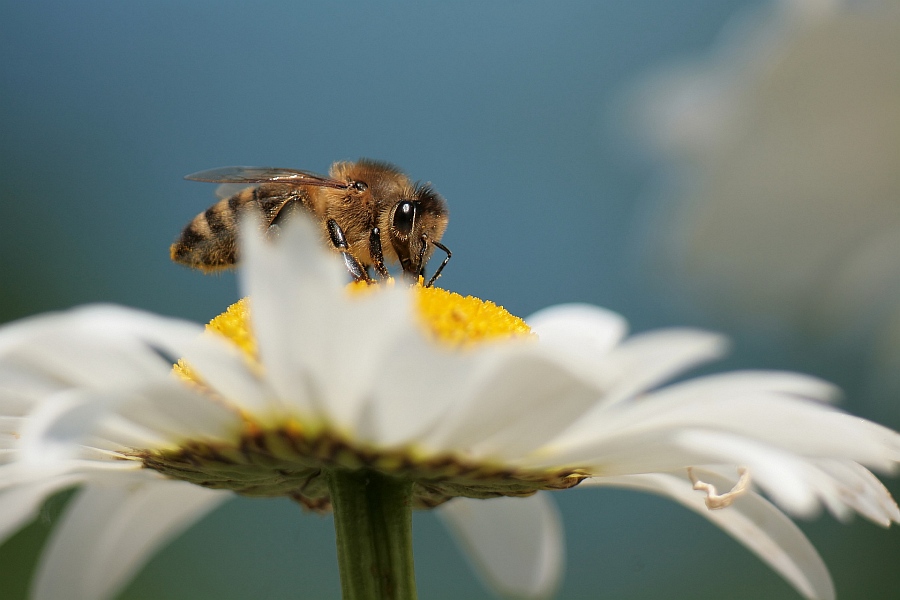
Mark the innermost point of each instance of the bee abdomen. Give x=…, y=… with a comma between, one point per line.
x=208, y=242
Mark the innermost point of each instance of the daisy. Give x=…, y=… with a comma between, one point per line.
x=372, y=401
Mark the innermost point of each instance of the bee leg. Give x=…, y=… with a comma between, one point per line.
x=340, y=242
x=377, y=253
x=420, y=259
x=442, y=265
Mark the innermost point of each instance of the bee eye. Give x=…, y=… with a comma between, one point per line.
x=404, y=217
x=359, y=186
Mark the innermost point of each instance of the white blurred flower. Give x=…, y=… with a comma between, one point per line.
x=786, y=145
x=463, y=408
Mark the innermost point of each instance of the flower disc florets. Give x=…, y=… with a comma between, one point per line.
x=290, y=459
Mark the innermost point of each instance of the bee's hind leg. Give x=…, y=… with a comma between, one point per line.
x=339, y=241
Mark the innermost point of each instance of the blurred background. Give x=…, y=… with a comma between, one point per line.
x=728, y=164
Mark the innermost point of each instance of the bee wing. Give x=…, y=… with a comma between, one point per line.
x=265, y=175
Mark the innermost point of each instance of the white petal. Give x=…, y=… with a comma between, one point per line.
x=56, y=429
x=649, y=359
x=798, y=484
x=175, y=412
x=412, y=396
x=107, y=533
x=752, y=521
x=524, y=399
x=223, y=367
x=745, y=400
x=327, y=351
x=87, y=466
x=296, y=295
x=801, y=426
x=862, y=491
x=162, y=411
x=579, y=328
x=101, y=347
x=640, y=452
x=116, y=433
x=361, y=361
x=11, y=426
x=794, y=483
x=297, y=252
x=21, y=387
x=516, y=544
x=21, y=504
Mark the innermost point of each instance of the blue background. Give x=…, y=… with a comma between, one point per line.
x=505, y=106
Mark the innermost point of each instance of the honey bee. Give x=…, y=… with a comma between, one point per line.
x=369, y=211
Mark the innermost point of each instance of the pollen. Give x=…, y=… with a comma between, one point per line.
x=233, y=324
x=464, y=321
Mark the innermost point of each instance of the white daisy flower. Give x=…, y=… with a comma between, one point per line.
x=372, y=401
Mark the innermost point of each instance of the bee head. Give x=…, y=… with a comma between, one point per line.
x=416, y=220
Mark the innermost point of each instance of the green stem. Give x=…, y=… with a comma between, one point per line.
x=373, y=523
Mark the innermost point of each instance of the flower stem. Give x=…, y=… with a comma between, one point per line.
x=373, y=523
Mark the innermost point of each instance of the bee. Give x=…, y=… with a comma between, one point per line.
x=370, y=212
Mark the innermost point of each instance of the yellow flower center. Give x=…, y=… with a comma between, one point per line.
x=466, y=321
x=233, y=324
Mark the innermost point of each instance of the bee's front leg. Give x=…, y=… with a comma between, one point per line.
x=340, y=242
x=376, y=252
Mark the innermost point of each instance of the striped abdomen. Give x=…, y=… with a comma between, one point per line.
x=209, y=242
